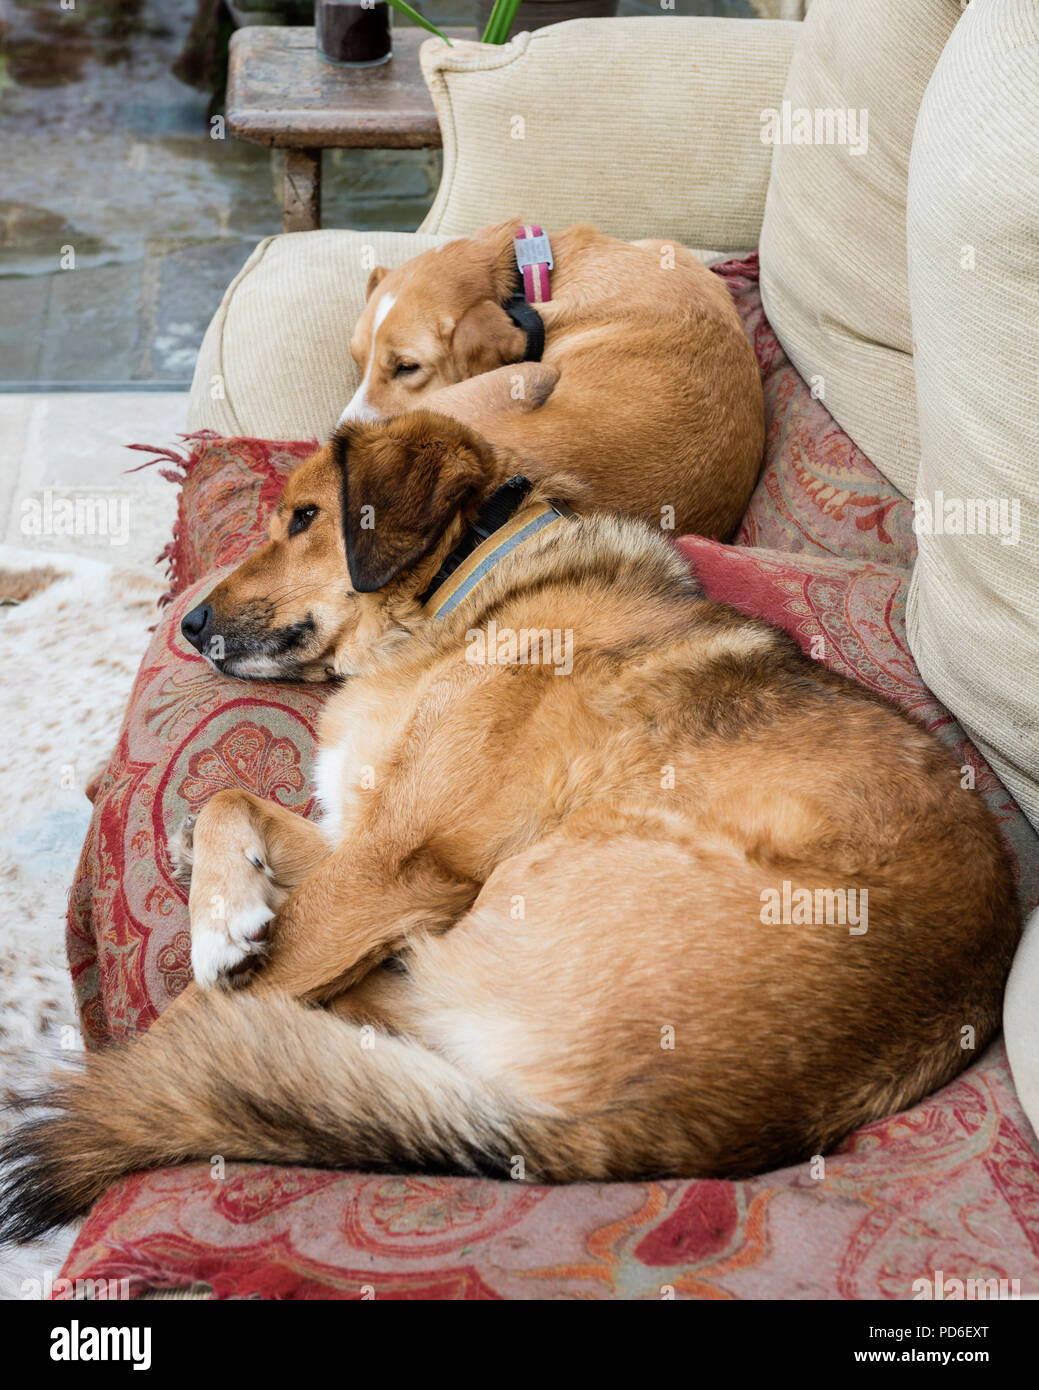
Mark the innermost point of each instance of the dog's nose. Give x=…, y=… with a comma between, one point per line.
x=196, y=625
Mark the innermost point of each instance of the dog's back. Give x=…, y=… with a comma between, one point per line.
x=758, y=907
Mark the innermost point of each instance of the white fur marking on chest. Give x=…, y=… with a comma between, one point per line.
x=328, y=776
x=339, y=777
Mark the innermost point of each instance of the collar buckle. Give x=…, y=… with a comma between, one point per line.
x=533, y=262
x=534, y=250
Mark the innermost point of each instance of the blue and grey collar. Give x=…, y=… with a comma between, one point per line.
x=504, y=524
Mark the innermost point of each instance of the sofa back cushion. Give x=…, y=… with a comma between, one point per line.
x=833, y=258
x=644, y=126
x=974, y=280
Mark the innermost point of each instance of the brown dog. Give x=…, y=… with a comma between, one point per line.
x=647, y=396
x=613, y=881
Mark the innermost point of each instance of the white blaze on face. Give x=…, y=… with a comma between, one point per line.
x=359, y=409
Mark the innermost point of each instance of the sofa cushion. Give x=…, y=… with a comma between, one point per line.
x=974, y=261
x=951, y=1185
x=974, y=287
x=818, y=493
x=661, y=137
x=188, y=733
x=833, y=243
x=228, y=489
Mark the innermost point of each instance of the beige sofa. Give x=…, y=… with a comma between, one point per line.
x=902, y=280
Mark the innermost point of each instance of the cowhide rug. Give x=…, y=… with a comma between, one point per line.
x=72, y=632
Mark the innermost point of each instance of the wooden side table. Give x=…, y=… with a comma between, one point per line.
x=280, y=93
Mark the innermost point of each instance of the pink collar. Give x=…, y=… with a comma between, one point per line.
x=534, y=258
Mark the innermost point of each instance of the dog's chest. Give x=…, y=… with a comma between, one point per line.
x=331, y=789
x=352, y=752
x=358, y=743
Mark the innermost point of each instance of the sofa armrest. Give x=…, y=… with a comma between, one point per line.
x=275, y=362
x=643, y=126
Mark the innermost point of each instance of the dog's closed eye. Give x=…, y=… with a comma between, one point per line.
x=404, y=368
x=301, y=519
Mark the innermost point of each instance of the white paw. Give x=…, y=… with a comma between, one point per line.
x=222, y=955
x=230, y=914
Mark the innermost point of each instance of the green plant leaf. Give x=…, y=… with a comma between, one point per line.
x=405, y=8
x=500, y=21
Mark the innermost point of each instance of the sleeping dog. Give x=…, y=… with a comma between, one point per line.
x=542, y=930
x=630, y=358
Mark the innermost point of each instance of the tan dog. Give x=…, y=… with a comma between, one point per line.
x=647, y=397
x=549, y=909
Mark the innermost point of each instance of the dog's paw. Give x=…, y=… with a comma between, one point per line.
x=230, y=922
x=181, y=849
x=227, y=955
x=513, y=390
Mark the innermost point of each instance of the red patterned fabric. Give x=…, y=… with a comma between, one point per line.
x=228, y=488
x=952, y=1185
x=188, y=733
x=818, y=493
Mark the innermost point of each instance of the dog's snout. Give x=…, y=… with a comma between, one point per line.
x=197, y=625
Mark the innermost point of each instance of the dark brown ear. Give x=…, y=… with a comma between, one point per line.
x=485, y=338
x=403, y=481
x=375, y=280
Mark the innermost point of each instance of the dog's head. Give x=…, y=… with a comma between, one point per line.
x=360, y=531
x=435, y=321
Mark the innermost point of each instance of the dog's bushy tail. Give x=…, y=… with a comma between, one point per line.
x=265, y=1078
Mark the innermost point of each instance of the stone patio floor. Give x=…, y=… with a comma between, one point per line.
x=106, y=152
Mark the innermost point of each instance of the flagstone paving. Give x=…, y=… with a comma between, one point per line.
x=121, y=219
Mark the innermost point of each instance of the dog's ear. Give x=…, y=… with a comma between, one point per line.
x=484, y=338
x=403, y=481
x=375, y=280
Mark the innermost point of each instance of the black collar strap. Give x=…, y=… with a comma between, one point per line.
x=502, y=505
x=529, y=521
x=527, y=318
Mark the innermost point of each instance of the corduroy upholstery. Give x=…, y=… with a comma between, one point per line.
x=973, y=610
x=833, y=253
x=689, y=163
x=275, y=362
x=974, y=255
